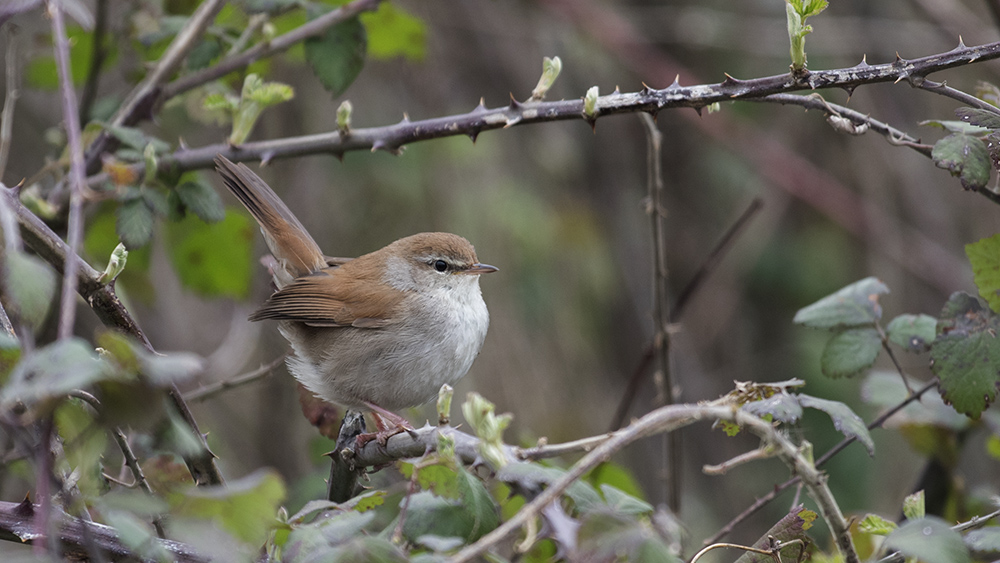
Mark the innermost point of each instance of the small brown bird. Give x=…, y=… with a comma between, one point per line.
x=380, y=332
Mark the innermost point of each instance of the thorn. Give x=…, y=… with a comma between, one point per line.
x=514, y=104
x=850, y=92
x=474, y=134
x=961, y=44
x=593, y=125
x=182, y=143
x=406, y=118
x=339, y=155
x=730, y=80
x=481, y=107
x=676, y=83
x=646, y=90
x=617, y=91
x=265, y=158
x=512, y=122
x=653, y=114
x=863, y=63
x=698, y=109
x=17, y=189
x=899, y=60
x=379, y=145
x=25, y=508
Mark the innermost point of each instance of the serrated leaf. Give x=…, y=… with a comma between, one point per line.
x=854, y=305
x=583, y=495
x=930, y=540
x=135, y=223
x=913, y=506
x=30, y=284
x=913, y=333
x=782, y=407
x=885, y=389
x=955, y=126
x=55, y=370
x=851, y=351
x=136, y=139
x=984, y=542
x=469, y=517
x=337, y=56
x=623, y=503
x=606, y=536
x=844, y=419
x=979, y=117
x=202, y=200
x=213, y=259
x=984, y=255
x=963, y=156
x=966, y=354
x=875, y=524
x=157, y=201
x=245, y=507
x=308, y=542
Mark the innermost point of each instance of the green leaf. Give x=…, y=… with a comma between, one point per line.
x=964, y=156
x=469, y=517
x=245, y=507
x=854, y=305
x=913, y=333
x=985, y=543
x=156, y=200
x=966, y=354
x=583, y=495
x=851, y=351
x=623, y=503
x=913, y=506
x=137, y=535
x=10, y=355
x=136, y=139
x=955, y=126
x=203, y=53
x=41, y=71
x=875, y=524
x=884, y=389
x=84, y=444
x=337, y=56
x=605, y=536
x=30, y=284
x=782, y=407
x=53, y=371
x=202, y=200
x=979, y=117
x=930, y=540
x=213, y=259
x=392, y=32
x=844, y=419
x=610, y=473
x=984, y=256
x=311, y=541
x=135, y=223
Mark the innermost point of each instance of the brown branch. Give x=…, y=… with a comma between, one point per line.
x=393, y=137
x=213, y=389
x=18, y=523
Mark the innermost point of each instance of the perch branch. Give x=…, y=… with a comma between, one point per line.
x=213, y=389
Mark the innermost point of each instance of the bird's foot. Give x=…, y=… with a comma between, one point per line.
x=388, y=424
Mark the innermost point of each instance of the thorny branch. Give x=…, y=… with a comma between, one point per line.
x=393, y=138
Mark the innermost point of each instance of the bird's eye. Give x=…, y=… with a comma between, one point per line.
x=440, y=265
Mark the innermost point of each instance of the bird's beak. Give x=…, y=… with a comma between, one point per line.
x=477, y=269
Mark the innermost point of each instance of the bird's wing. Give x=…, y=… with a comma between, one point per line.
x=328, y=298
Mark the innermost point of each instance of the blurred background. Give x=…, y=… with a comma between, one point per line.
x=561, y=211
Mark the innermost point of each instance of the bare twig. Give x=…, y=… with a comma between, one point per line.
x=771, y=495
x=661, y=307
x=213, y=389
x=683, y=298
x=667, y=419
x=98, y=54
x=9, y=101
x=943, y=89
x=893, y=135
x=269, y=48
x=71, y=120
x=773, y=552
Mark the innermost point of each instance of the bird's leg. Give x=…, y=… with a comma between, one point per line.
x=396, y=424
